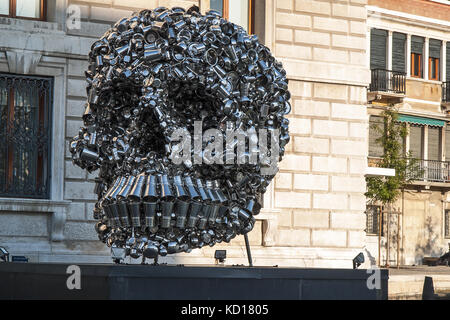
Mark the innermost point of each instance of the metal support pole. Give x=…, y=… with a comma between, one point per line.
x=249, y=254
x=388, y=251
x=380, y=225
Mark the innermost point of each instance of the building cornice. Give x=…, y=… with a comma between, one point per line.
x=403, y=17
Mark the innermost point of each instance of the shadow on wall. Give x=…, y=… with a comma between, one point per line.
x=430, y=244
x=372, y=260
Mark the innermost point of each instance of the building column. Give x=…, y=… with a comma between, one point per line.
x=426, y=51
x=368, y=47
x=444, y=61
x=389, y=51
x=425, y=151
x=408, y=55
x=425, y=143
x=443, y=155
x=407, y=138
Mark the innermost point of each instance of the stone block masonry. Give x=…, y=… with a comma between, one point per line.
x=321, y=183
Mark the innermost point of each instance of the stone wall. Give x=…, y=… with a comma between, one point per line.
x=424, y=203
x=320, y=187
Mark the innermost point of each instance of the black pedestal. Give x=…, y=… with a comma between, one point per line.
x=165, y=282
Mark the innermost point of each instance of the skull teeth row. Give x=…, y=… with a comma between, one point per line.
x=164, y=208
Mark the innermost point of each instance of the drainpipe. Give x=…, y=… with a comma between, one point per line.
x=380, y=224
x=388, y=235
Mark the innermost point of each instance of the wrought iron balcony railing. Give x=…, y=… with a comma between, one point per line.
x=431, y=170
x=446, y=92
x=423, y=170
x=388, y=81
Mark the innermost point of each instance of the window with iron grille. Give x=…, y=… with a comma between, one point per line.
x=373, y=214
x=447, y=224
x=25, y=131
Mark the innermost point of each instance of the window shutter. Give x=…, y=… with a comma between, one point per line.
x=398, y=52
x=433, y=143
x=448, y=62
x=417, y=44
x=399, y=138
x=378, y=49
x=415, y=141
x=447, y=224
x=447, y=143
x=375, y=149
x=435, y=48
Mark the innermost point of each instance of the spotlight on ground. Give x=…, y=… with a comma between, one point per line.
x=220, y=256
x=4, y=254
x=358, y=260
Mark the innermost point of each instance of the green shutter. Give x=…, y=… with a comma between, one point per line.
x=398, y=52
x=433, y=143
x=417, y=44
x=448, y=62
x=415, y=141
x=378, y=49
x=435, y=48
x=447, y=143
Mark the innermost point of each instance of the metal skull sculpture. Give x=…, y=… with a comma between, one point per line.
x=154, y=73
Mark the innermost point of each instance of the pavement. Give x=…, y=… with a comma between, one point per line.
x=407, y=282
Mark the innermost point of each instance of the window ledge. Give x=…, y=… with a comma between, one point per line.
x=424, y=80
x=31, y=26
x=269, y=218
x=22, y=204
x=57, y=208
x=428, y=184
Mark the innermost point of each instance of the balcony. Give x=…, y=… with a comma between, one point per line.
x=446, y=94
x=426, y=172
x=386, y=86
x=437, y=172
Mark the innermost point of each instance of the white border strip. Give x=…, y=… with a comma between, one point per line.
x=442, y=1
x=377, y=172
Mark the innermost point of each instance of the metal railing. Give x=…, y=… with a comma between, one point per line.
x=423, y=170
x=446, y=91
x=388, y=81
x=431, y=170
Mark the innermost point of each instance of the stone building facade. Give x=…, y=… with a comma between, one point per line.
x=409, y=40
x=313, y=214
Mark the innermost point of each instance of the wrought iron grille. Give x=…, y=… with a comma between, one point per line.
x=25, y=131
x=388, y=81
x=447, y=224
x=373, y=214
x=431, y=170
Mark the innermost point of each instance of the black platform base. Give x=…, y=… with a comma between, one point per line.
x=49, y=281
